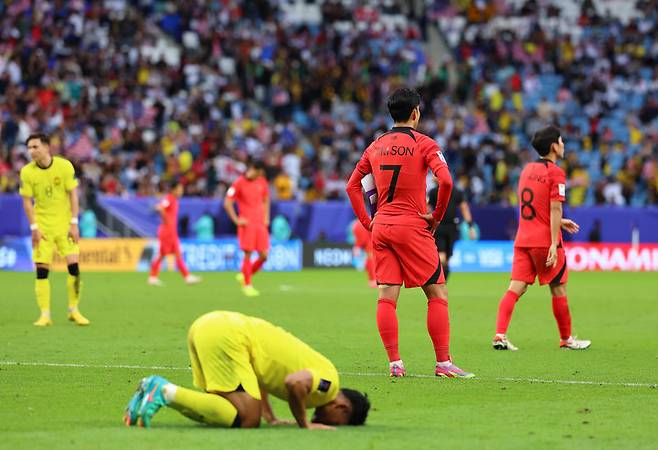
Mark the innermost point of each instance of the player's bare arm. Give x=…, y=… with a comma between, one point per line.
x=468, y=218
x=570, y=226
x=74, y=231
x=556, y=223
x=230, y=210
x=28, y=207
x=268, y=414
x=299, y=385
x=443, y=197
x=266, y=207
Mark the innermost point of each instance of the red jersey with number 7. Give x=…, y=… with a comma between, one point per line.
x=540, y=183
x=399, y=161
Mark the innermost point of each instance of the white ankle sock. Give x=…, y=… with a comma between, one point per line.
x=398, y=363
x=169, y=392
x=444, y=363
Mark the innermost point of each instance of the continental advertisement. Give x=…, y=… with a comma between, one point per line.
x=131, y=255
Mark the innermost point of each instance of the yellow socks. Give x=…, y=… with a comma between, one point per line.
x=73, y=287
x=206, y=408
x=42, y=291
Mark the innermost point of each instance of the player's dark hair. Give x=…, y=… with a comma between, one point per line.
x=43, y=137
x=360, y=406
x=545, y=138
x=170, y=185
x=401, y=103
x=256, y=164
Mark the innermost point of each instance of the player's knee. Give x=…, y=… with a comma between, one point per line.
x=250, y=419
x=559, y=290
x=74, y=269
x=42, y=273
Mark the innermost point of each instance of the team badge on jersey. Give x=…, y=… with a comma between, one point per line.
x=57, y=181
x=440, y=155
x=324, y=385
x=561, y=188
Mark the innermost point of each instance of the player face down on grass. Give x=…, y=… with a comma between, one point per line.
x=237, y=362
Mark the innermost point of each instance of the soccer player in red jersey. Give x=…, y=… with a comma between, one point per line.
x=251, y=192
x=363, y=242
x=168, y=237
x=538, y=247
x=402, y=239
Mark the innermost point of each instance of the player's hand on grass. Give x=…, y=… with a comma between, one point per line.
x=570, y=226
x=551, y=259
x=320, y=426
x=277, y=422
x=241, y=221
x=431, y=221
x=74, y=233
x=36, y=238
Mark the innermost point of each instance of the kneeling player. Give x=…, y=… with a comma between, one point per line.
x=538, y=248
x=237, y=361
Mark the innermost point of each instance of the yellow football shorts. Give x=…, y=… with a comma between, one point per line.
x=220, y=354
x=43, y=253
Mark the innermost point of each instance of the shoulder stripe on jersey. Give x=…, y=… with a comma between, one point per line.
x=403, y=130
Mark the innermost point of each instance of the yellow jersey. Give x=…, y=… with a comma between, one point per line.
x=232, y=349
x=50, y=188
x=276, y=353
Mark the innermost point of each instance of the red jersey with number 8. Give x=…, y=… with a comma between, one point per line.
x=540, y=183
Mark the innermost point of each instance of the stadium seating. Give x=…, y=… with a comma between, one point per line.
x=198, y=88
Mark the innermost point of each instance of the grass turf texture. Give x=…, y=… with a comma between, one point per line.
x=138, y=325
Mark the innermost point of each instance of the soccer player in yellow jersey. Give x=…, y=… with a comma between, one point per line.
x=50, y=200
x=237, y=361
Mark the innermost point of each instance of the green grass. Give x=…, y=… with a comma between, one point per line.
x=133, y=324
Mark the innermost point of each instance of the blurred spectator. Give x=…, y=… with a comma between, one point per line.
x=204, y=227
x=595, y=233
x=280, y=228
x=88, y=224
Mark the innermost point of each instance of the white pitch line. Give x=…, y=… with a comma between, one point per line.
x=353, y=374
x=89, y=366
x=524, y=380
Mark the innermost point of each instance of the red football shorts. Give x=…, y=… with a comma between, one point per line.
x=254, y=238
x=169, y=243
x=530, y=263
x=405, y=253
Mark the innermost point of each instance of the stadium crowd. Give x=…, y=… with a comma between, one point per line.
x=136, y=95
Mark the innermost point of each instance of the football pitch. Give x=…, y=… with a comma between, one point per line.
x=67, y=386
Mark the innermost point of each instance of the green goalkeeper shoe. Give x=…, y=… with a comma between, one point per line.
x=152, y=399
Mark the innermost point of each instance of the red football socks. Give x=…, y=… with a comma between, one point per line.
x=256, y=266
x=246, y=271
x=387, y=323
x=562, y=316
x=505, y=310
x=438, y=326
x=180, y=263
x=155, y=265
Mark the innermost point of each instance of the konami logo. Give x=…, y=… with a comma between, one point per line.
x=621, y=257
